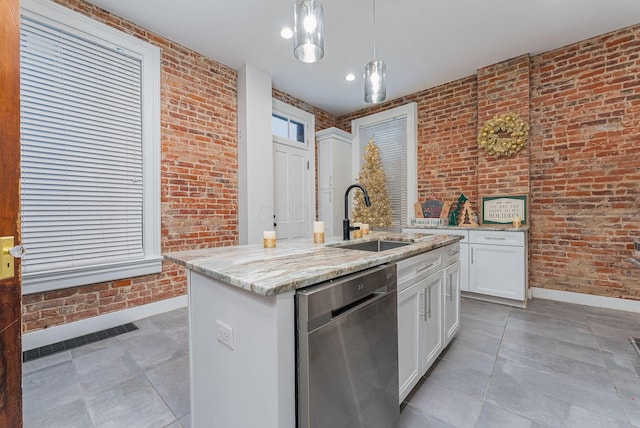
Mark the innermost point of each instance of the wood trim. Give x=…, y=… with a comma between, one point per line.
x=10, y=291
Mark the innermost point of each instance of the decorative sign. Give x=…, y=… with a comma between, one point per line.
x=432, y=208
x=503, y=209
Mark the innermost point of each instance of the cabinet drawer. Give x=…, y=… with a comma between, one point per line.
x=441, y=231
x=497, y=238
x=420, y=265
x=451, y=254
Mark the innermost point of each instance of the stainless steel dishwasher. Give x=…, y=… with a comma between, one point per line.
x=347, y=351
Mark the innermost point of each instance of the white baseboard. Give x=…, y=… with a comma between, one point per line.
x=62, y=332
x=586, y=299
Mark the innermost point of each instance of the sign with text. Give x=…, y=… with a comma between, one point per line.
x=503, y=209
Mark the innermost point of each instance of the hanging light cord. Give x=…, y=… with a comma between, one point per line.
x=374, y=29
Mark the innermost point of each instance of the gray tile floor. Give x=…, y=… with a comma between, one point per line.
x=551, y=365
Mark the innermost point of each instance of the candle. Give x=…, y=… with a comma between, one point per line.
x=269, y=238
x=357, y=232
x=516, y=221
x=318, y=232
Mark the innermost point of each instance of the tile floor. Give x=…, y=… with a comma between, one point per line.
x=551, y=365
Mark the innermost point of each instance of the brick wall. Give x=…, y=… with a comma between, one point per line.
x=581, y=166
x=583, y=160
x=199, y=180
x=447, y=125
x=585, y=166
x=503, y=87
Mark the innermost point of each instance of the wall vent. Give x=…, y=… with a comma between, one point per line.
x=65, y=345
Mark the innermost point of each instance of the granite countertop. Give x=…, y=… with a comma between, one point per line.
x=299, y=263
x=497, y=227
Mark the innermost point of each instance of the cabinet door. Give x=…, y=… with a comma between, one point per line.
x=409, y=305
x=430, y=320
x=464, y=267
x=497, y=270
x=451, y=302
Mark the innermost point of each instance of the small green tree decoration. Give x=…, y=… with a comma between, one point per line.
x=373, y=178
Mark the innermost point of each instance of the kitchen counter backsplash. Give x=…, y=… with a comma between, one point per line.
x=299, y=263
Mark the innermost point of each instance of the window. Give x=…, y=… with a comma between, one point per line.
x=394, y=132
x=287, y=128
x=90, y=151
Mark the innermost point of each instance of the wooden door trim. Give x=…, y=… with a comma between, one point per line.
x=10, y=290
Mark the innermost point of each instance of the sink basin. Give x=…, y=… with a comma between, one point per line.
x=375, y=246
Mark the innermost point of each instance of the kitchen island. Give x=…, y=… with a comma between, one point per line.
x=242, y=321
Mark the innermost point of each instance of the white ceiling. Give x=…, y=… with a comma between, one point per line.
x=423, y=42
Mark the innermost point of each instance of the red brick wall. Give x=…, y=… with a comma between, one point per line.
x=581, y=166
x=585, y=166
x=502, y=88
x=199, y=180
x=447, y=124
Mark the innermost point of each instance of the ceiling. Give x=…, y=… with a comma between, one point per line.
x=424, y=43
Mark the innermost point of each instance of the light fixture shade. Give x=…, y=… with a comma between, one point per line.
x=308, y=30
x=375, y=81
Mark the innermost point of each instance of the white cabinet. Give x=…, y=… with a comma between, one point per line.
x=432, y=337
x=334, y=176
x=464, y=249
x=451, y=301
x=498, y=264
x=428, y=311
x=493, y=263
x=409, y=331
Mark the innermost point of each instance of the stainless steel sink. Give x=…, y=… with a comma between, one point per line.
x=377, y=245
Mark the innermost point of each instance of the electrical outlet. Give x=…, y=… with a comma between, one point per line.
x=224, y=333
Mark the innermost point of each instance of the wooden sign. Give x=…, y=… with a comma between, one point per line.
x=503, y=209
x=432, y=208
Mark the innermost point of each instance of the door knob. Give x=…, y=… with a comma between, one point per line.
x=18, y=251
x=9, y=251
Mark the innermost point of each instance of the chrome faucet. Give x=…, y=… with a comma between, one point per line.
x=346, y=227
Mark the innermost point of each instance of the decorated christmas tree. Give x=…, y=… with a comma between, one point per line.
x=373, y=179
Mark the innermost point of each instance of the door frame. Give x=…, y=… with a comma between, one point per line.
x=10, y=288
x=282, y=109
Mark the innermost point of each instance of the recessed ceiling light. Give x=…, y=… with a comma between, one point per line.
x=350, y=77
x=286, y=33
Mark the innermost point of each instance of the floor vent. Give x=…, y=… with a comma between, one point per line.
x=636, y=344
x=65, y=345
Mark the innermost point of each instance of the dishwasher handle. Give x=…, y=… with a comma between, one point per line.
x=318, y=304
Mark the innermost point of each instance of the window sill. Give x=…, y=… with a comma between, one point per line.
x=56, y=280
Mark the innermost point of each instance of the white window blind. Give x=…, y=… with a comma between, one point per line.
x=395, y=132
x=82, y=154
x=391, y=137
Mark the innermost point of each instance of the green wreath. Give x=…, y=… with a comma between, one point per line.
x=504, y=135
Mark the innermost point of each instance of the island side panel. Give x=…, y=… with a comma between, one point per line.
x=253, y=384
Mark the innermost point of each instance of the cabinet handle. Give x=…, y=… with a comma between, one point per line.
x=495, y=238
x=450, y=286
x=427, y=304
x=426, y=267
x=471, y=255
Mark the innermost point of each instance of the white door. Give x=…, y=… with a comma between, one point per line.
x=291, y=191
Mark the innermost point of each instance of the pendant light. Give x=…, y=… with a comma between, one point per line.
x=375, y=73
x=308, y=30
